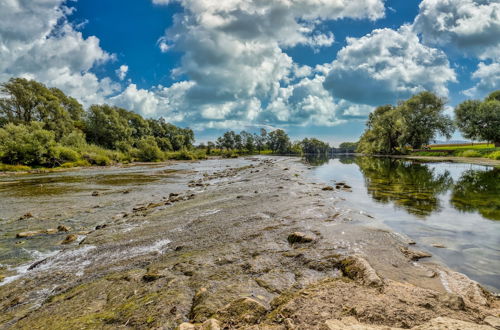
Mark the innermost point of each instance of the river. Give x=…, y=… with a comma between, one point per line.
x=451, y=210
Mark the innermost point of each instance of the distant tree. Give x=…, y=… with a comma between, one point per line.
x=24, y=101
x=413, y=123
x=314, y=147
x=105, y=126
x=279, y=142
x=422, y=118
x=480, y=120
x=248, y=141
x=350, y=146
x=210, y=147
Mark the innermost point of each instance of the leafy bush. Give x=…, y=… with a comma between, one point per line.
x=148, y=150
x=75, y=139
x=62, y=154
x=13, y=168
x=494, y=155
x=470, y=153
x=79, y=163
x=26, y=144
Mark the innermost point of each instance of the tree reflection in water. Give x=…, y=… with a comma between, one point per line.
x=411, y=186
x=478, y=191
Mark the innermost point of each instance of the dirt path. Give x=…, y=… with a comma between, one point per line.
x=255, y=247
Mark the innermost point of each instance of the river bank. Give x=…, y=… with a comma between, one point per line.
x=468, y=160
x=250, y=243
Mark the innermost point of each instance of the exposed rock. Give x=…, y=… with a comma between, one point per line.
x=211, y=324
x=63, y=228
x=358, y=268
x=327, y=188
x=493, y=321
x=27, y=234
x=244, y=310
x=151, y=276
x=51, y=231
x=415, y=254
x=452, y=301
x=439, y=246
x=299, y=237
x=70, y=238
x=95, y=193
x=350, y=323
x=100, y=226
x=186, y=326
x=26, y=216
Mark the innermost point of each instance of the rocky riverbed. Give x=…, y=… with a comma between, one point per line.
x=251, y=244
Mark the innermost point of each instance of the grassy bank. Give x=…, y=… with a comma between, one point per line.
x=481, y=150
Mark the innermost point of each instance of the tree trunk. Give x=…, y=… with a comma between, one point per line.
x=497, y=144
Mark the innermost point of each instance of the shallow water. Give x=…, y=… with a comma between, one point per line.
x=66, y=198
x=451, y=204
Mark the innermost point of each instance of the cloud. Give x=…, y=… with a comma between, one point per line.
x=387, y=65
x=37, y=42
x=470, y=26
x=488, y=77
x=122, y=71
x=235, y=60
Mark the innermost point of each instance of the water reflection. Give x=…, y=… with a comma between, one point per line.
x=414, y=187
x=478, y=191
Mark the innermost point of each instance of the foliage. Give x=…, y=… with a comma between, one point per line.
x=470, y=153
x=480, y=120
x=42, y=126
x=350, y=146
x=412, y=123
x=279, y=142
x=26, y=144
x=314, y=146
x=495, y=155
x=148, y=150
x=478, y=191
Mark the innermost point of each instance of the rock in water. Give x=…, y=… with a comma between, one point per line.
x=70, y=238
x=327, y=188
x=299, y=237
x=63, y=228
x=415, y=254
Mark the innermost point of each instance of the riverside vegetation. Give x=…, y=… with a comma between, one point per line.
x=43, y=127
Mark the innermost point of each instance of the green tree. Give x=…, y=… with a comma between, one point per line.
x=25, y=101
x=279, y=142
x=105, y=126
x=480, y=120
x=148, y=150
x=26, y=144
x=248, y=141
x=414, y=122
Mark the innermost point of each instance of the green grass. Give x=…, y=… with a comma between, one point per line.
x=469, y=153
x=462, y=146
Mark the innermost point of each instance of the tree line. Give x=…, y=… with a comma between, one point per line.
x=275, y=142
x=415, y=122
x=41, y=126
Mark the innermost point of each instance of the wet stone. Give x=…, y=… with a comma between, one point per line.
x=69, y=239
x=415, y=254
x=299, y=237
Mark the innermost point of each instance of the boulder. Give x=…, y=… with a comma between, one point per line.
x=327, y=188
x=493, y=321
x=211, y=324
x=64, y=228
x=300, y=238
x=95, y=193
x=452, y=301
x=69, y=239
x=415, y=254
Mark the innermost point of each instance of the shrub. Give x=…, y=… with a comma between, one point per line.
x=470, y=153
x=13, y=168
x=79, y=163
x=148, y=150
x=64, y=154
x=26, y=144
x=74, y=139
x=494, y=155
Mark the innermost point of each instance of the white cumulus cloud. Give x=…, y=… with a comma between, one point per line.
x=387, y=65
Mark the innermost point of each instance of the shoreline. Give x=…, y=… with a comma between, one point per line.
x=255, y=246
x=467, y=160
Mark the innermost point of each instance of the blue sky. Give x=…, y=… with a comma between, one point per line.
x=314, y=68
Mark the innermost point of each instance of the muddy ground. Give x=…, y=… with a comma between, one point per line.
x=257, y=246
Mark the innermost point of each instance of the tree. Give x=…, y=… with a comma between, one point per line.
x=105, y=126
x=26, y=101
x=314, y=147
x=412, y=123
x=349, y=146
x=26, y=144
x=279, y=142
x=480, y=120
x=248, y=141
x=422, y=118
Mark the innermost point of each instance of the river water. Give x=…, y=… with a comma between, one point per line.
x=454, y=206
